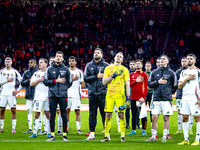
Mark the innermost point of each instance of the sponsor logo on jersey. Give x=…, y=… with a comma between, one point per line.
x=37, y=108
x=157, y=74
x=38, y=76
x=185, y=74
x=4, y=74
x=11, y=74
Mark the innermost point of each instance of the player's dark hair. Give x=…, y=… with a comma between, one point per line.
x=132, y=61
x=192, y=55
x=98, y=49
x=33, y=60
x=59, y=52
x=158, y=58
x=139, y=60
x=148, y=62
x=45, y=60
x=163, y=55
x=73, y=57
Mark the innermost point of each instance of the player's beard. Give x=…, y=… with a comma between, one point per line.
x=190, y=64
x=97, y=58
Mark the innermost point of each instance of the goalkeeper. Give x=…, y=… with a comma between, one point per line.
x=116, y=76
x=138, y=83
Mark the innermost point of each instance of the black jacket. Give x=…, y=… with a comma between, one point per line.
x=179, y=91
x=163, y=92
x=26, y=83
x=51, y=74
x=95, y=85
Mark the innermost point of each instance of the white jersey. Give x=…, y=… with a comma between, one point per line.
x=191, y=88
x=41, y=91
x=75, y=90
x=9, y=87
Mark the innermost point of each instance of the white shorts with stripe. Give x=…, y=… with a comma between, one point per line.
x=162, y=107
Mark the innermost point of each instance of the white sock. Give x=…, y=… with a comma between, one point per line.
x=36, y=125
x=45, y=123
x=14, y=121
x=2, y=123
x=190, y=121
x=185, y=131
x=117, y=120
x=47, y=126
x=198, y=131
x=30, y=119
x=180, y=121
x=67, y=125
x=78, y=125
x=40, y=121
x=165, y=132
x=92, y=134
x=59, y=122
x=154, y=133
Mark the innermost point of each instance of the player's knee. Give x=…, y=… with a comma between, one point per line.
x=13, y=111
x=185, y=118
x=154, y=119
x=166, y=119
x=37, y=115
x=121, y=115
x=92, y=115
x=197, y=118
x=77, y=112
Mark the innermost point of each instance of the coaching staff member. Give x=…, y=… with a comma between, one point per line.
x=58, y=78
x=93, y=74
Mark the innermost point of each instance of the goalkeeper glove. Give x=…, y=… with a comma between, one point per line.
x=114, y=74
x=127, y=104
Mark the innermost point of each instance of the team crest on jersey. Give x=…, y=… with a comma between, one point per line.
x=185, y=74
x=4, y=74
x=38, y=76
x=11, y=74
x=37, y=108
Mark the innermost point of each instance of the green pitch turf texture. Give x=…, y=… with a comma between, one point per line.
x=20, y=140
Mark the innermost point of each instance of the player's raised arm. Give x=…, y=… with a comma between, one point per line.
x=152, y=83
x=47, y=80
x=35, y=81
x=19, y=78
x=174, y=83
x=2, y=82
x=87, y=77
x=25, y=80
x=107, y=79
x=69, y=79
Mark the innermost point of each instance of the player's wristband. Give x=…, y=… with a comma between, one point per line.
x=127, y=98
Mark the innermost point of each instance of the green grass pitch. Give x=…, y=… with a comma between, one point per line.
x=22, y=141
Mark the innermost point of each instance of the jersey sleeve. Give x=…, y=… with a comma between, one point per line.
x=106, y=73
x=18, y=76
x=81, y=76
x=181, y=76
x=126, y=75
x=33, y=78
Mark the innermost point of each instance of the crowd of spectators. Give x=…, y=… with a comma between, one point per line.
x=28, y=31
